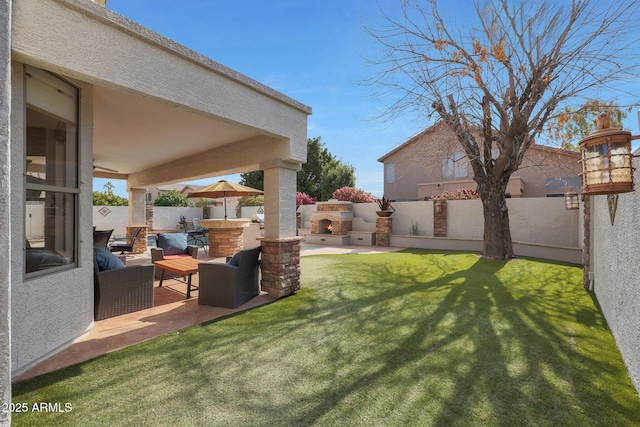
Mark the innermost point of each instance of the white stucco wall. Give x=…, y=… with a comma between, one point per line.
x=167, y=218
x=49, y=312
x=408, y=213
x=5, y=208
x=616, y=271
x=116, y=219
x=534, y=221
x=541, y=220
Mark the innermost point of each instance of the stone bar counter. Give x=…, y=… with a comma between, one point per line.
x=225, y=235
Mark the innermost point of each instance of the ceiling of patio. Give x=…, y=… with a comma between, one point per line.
x=133, y=133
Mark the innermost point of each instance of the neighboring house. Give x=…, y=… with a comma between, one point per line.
x=432, y=162
x=81, y=83
x=184, y=189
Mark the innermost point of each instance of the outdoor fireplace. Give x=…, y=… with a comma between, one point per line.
x=332, y=217
x=325, y=227
x=331, y=220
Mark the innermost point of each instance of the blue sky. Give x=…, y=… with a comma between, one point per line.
x=310, y=50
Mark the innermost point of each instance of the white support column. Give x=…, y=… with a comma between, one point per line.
x=5, y=209
x=137, y=206
x=280, y=200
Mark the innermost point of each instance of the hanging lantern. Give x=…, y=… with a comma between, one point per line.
x=606, y=160
x=571, y=202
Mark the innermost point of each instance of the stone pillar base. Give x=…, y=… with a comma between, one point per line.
x=383, y=231
x=440, y=218
x=140, y=245
x=224, y=242
x=280, y=266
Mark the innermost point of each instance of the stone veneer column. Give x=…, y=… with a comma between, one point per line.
x=5, y=207
x=149, y=215
x=280, y=262
x=140, y=245
x=439, y=218
x=383, y=231
x=280, y=266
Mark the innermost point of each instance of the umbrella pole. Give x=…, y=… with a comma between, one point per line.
x=225, y=206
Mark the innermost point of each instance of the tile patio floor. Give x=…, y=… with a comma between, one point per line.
x=171, y=312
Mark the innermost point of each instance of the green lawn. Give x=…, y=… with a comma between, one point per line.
x=400, y=339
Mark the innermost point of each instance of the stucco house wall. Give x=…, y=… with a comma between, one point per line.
x=93, y=49
x=46, y=313
x=5, y=207
x=414, y=170
x=616, y=275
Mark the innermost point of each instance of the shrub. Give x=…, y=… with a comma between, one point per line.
x=385, y=204
x=355, y=195
x=257, y=200
x=172, y=198
x=464, y=194
x=304, y=199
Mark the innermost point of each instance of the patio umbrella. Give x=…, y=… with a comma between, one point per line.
x=224, y=188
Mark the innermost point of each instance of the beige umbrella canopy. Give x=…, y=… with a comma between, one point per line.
x=224, y=188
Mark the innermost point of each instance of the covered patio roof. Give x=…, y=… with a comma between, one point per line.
x=162, y=113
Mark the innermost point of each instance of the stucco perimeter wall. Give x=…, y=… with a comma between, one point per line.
x=167, y=218
x=540, y=227
x=164, y=217
x=616, y=272
x=539, y=220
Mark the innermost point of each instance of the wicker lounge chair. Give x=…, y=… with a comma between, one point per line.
x=115, y=247
x=122, y=290
x=227, y=285
x=101, y=238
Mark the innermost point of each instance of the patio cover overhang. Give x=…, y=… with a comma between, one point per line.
x=151, y=109
x=161, y=113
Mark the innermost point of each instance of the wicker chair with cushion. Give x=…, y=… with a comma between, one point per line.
x=171, y=246
x=118, y=289
x=230, y=284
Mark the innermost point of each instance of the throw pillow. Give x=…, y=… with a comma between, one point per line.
x=41, y=259
x=235, y=259
x=106, y=260
x=172, y=243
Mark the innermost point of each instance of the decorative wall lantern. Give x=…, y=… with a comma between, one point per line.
x=571, y=201
x=606, y=160
x=607, y=166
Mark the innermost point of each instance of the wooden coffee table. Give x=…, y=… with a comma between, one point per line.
x=186, y=266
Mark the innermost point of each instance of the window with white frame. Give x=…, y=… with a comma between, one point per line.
x=52, y=186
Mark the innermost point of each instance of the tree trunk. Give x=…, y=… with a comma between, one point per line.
x=497, y=234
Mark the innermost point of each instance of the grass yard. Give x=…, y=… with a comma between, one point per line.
x=412, y=338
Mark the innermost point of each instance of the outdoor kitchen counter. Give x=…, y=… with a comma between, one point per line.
x=225, y=235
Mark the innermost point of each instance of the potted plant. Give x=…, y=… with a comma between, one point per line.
x=385, y=207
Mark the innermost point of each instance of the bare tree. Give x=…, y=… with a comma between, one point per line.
x=507, y=71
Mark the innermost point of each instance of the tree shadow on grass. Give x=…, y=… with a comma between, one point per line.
x=430, y=344
x=503, y=357
x=413, y=338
